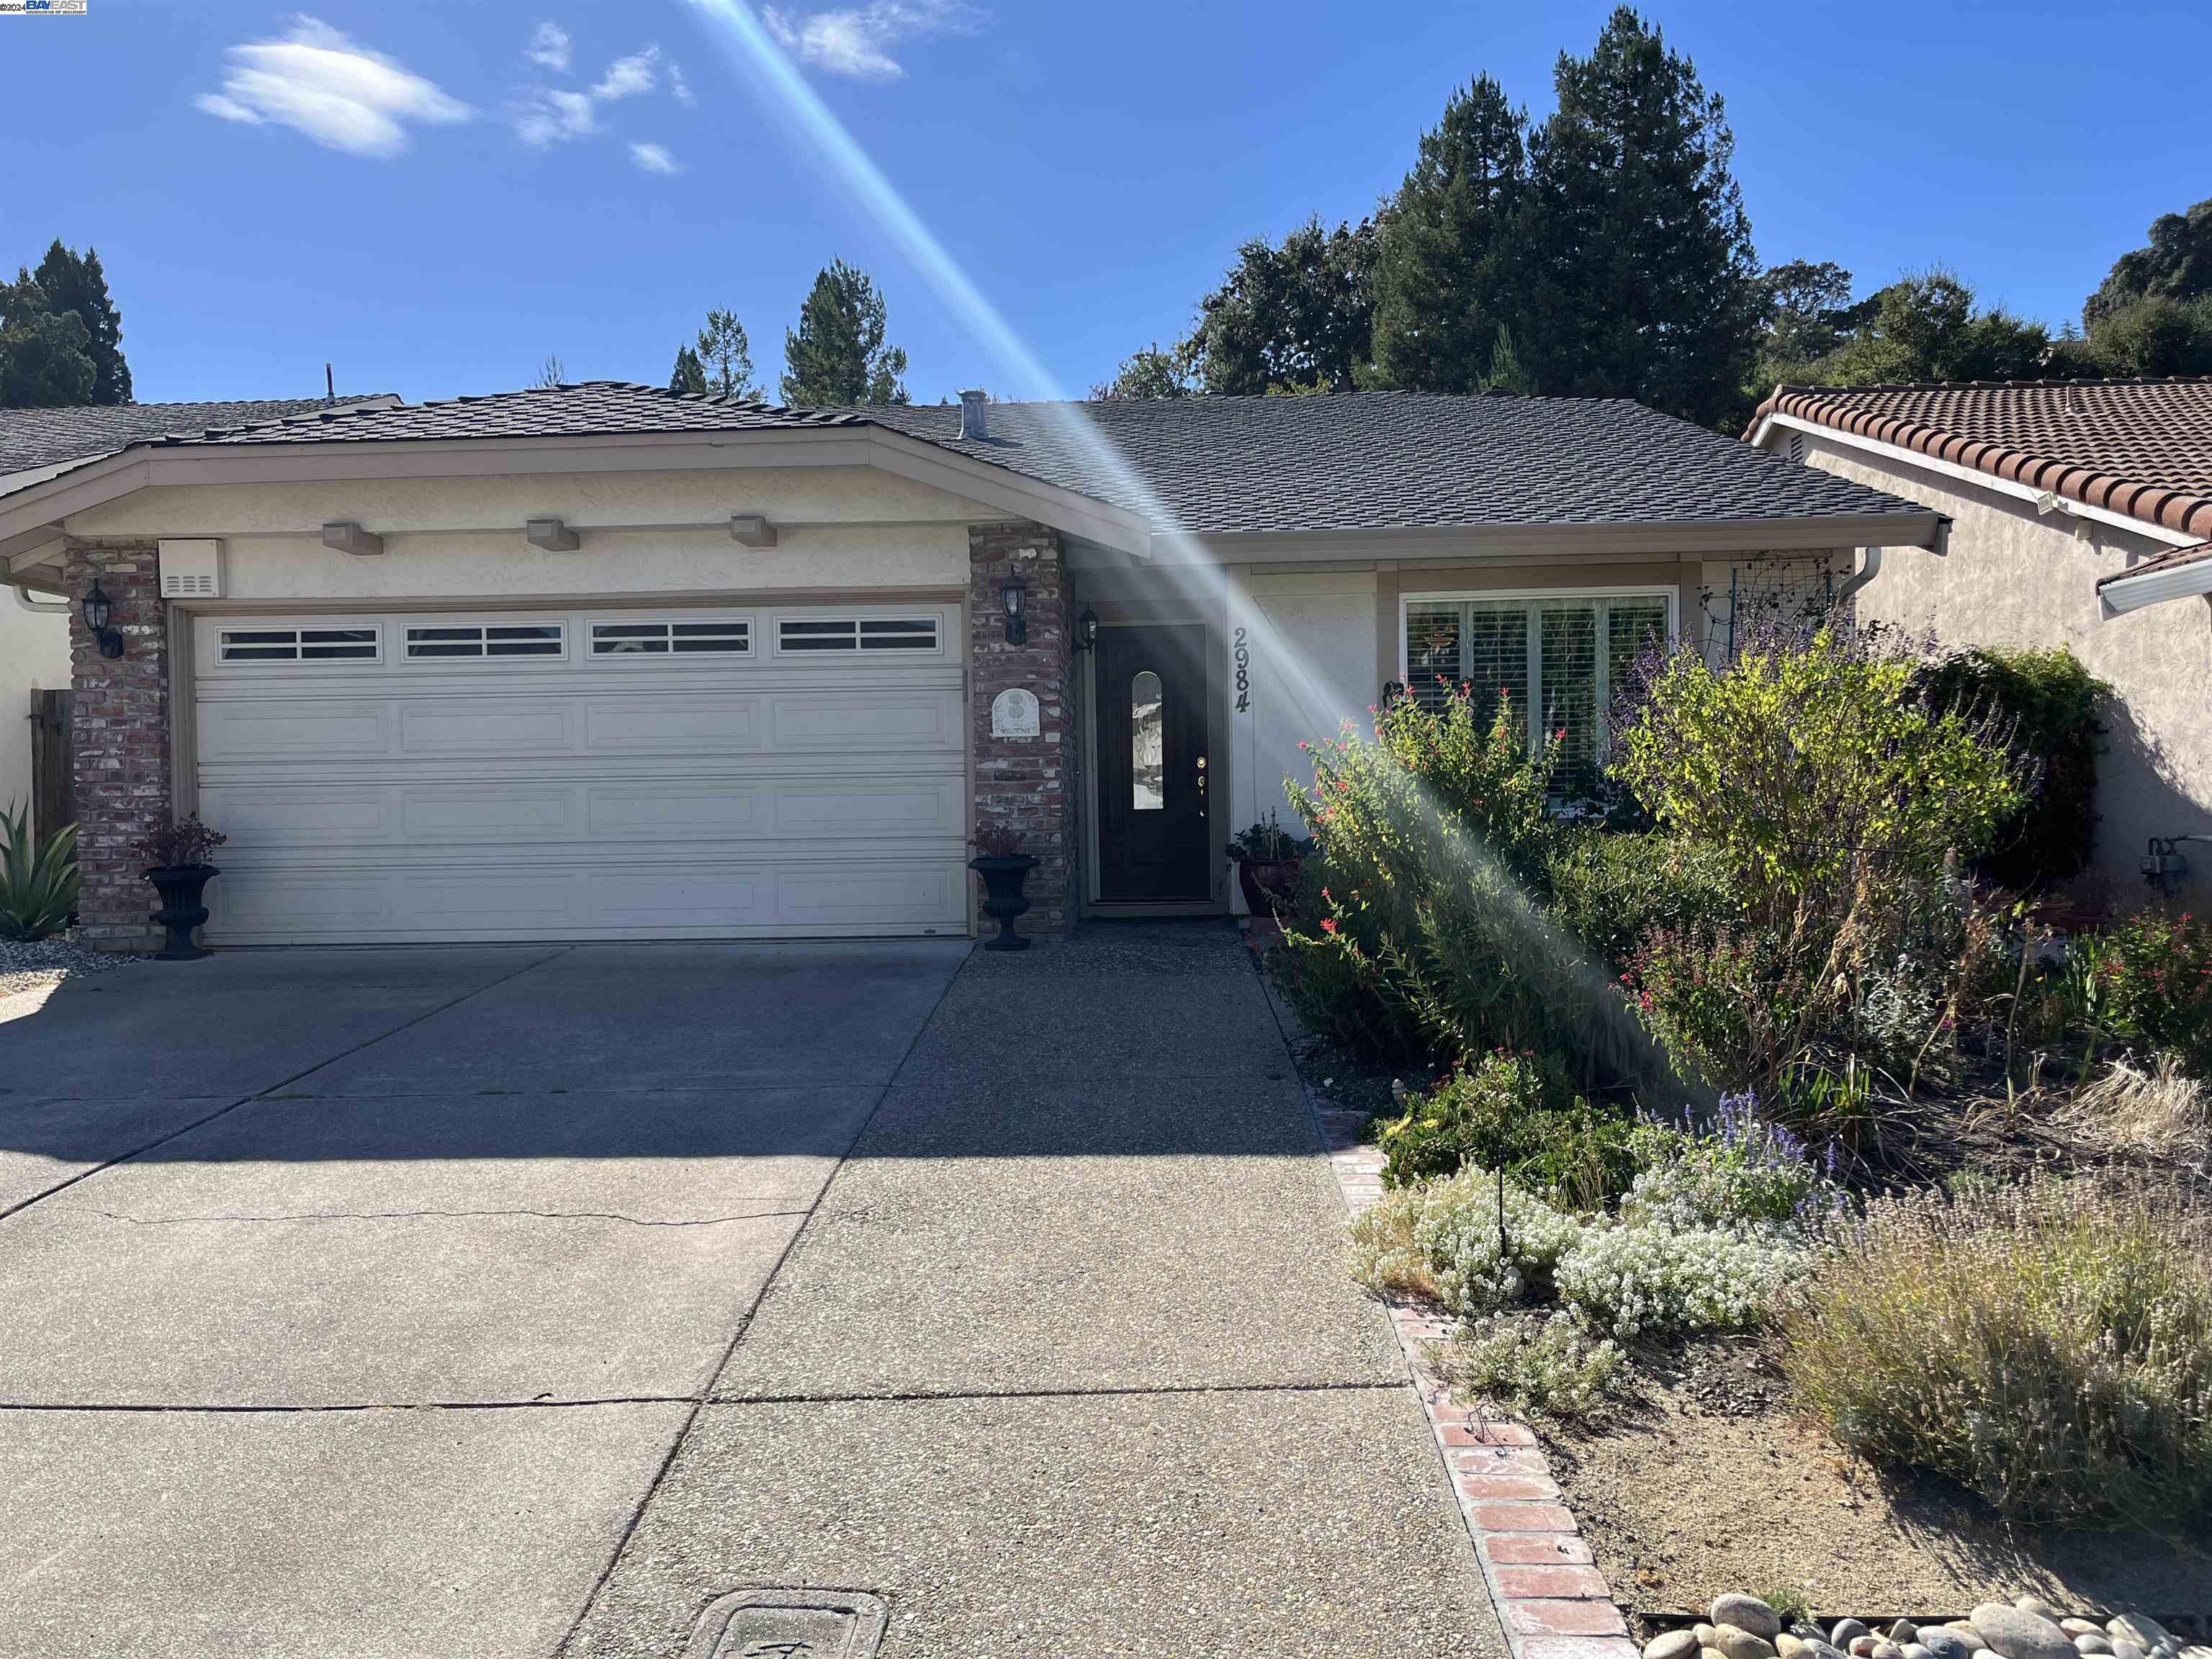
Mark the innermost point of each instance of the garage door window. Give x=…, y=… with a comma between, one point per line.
x=243, y=644
x=485, y=640
x=731, y=637
x=856, y=634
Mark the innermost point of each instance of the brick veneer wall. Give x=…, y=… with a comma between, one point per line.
x=119, y=733
x=1027, y=784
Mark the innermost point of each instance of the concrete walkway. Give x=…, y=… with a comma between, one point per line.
x=517, y=1302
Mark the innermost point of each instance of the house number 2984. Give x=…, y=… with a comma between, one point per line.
x=1242, y=657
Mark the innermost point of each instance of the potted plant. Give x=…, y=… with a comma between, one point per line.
x=1005, y=867
x=1268, y=858
x=176, y=863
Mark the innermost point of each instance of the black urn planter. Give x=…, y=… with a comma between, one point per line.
x=180, y=886
x=1003, y=899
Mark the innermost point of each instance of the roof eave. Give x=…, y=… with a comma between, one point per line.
x=2117, y=595
x=1563, y=542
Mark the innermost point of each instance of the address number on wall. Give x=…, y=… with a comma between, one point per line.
x=1241, y=655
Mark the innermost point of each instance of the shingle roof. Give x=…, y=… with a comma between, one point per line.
x=34, y=438
x=2172, y=559
x=1224, y=465
x=2141, y=447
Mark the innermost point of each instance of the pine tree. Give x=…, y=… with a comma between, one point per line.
x=45, y=355
x=1641, y=280
x=76, y=283
x=726, y=357
x=690, y=374
x=1445, y=268
x=836, y=355
x=1506, y=374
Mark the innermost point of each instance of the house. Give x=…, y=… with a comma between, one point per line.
x=2080, y=512
x=35, y=444
x=603, y=661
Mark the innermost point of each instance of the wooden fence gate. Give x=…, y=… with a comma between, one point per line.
x=53, y=799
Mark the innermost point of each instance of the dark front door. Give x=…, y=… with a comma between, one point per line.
x=1155, y=841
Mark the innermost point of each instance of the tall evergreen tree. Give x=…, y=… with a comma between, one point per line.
x=690, y=374
x=45, y=355
x=1294, y=318
x=726, y=355
x=74, y=281
x=836, y=355
x=1641, y=276
x=1445, y=265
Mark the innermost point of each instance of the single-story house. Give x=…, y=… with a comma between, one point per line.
x=2080, y=512
x=35, y=444
x=603, y=661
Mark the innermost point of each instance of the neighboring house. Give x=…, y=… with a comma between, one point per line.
x=35, y=444
x=606, y=662
x=2079, y=516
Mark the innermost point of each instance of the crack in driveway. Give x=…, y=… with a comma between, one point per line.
x=433, y=1215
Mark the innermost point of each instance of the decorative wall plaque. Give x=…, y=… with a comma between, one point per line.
x=1014, y=713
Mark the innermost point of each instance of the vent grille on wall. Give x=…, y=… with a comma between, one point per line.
x=191, y=570
x=1797, y=448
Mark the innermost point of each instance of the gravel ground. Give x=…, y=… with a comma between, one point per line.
x=28, y=967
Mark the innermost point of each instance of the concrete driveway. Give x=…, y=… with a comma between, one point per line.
x=514, y=1300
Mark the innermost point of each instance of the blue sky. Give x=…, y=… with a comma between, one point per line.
x=435, y=197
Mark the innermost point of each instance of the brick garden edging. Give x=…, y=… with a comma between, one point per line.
x=1551, y=1601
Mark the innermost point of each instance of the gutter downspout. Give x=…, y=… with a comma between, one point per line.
x=43, y=607
x=1865, y=574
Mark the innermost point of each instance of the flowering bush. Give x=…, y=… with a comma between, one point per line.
x=2048, y=1344
x=2150, y=977
x=1739, y=1171
x=1613, y=888
x=1530, y=1363
x=1629, y=1279
x=1481, y=1265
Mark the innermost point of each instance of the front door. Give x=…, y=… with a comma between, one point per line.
x=1155, y=841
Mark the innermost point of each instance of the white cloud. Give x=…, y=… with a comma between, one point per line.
x=653, y=159
x=551, y=116
x=679, y=88
x=857, y=40
x=626, y=77
x=548, y=48
x=318, y=81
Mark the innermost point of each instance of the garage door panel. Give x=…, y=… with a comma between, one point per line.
x=734, y=797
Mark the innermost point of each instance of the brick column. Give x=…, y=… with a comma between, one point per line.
x=1027, y=784
x=119, y=732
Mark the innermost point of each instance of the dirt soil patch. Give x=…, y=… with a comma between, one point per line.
x=1709, y=1482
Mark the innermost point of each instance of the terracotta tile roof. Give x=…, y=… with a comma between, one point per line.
x=2141, y=447
x=2172, y=559
x=1355, y=461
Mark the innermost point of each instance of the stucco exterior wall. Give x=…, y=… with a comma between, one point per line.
x=2014, y=578
x=35, y=656
x=645, y=532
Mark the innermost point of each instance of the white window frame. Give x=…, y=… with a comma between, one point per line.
x=940, y=631
x=298, y=630
x=1672, y=595
x=671, y=621
x=408, y=658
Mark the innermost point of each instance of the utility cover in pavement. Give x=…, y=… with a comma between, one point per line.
x=789, y=1624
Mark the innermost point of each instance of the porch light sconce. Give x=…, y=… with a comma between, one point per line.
x=551, y=534
x=1015, y=596
x=1086, y=630
x=99, y=610
x=752, y=530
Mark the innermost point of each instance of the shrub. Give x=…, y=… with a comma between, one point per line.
x=185, y=841
x=2047, y=704
x=1481, y=1265
x=1510, y=1113
x=1529, y=1363
x=2048, y=1345
x=2163, y=1112
x=37, y=883
x=1612, y=890
x=1386, y=1257
x=1737, y=1171
x=2148, y=983
x=1630, y=1279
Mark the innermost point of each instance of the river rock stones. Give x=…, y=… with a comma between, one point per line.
x=1747, y=1613
x=1846, y=1632
x=1945, y=1643
x=1739, y=1644
x=1673, y=1644
x=2143, y=1631
x=2017, y=1632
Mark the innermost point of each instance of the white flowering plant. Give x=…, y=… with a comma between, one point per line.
x=1630, y=1279
x=1527, y=1362
x=1481, y=1265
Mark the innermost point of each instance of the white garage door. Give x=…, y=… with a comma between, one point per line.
x=603, y=774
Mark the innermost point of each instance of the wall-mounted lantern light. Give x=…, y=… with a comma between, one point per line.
x=1086, y=630
x=98, y=612
x=1015, y=595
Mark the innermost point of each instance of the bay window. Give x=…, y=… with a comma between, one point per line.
x=1563, y=655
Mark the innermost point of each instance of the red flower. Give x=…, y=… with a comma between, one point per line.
x=1328, y=924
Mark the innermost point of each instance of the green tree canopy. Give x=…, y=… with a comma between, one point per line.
x=1293, y=317
x=690, y=374
x=1925, y=327
x=726, y=355
x=1448, y=251
x=836, y=355
x=1640, y=277
x=1151, y=373
x=45, y=355
x=2177, y=266
x=75, y=282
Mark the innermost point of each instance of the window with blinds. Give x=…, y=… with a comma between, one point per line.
x=1564, y=657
